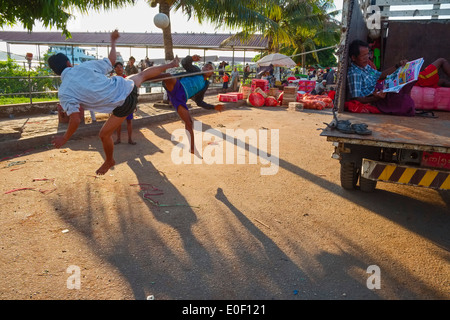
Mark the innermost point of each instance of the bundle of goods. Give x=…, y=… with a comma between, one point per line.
x=281, y=95
x=227, y=97
x=245, y=91
x=294, y=106
x=274, y=92
x=431, y=98
x=271, y=101
x=239, y=95
x=256, y=99
x=359, y=107
x=230, y=96
x=260, y=83
x=318, y=102
x=306, y=85
x=261, y=91
x=289, y=95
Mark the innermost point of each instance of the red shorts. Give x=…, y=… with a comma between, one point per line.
x=428, y=77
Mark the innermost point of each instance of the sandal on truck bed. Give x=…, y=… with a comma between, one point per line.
x=361, y=128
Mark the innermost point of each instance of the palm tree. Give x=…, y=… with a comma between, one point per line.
x=313, y=28
x=164, y=7
x=285, y=23
x=248, y=17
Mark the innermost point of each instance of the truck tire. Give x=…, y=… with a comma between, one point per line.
x=367, y=185
x=349, y=175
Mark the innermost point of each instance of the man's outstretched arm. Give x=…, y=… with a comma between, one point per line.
x=187, y=63
x=112, y=53
x=74, y=122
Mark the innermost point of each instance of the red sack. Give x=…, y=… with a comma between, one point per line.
x=280, y=98
x=313, y=104
x=256, y=99
x=332, y=94
x=358, y=107
x=442, y=99
x=328, y=101
x=271, y=101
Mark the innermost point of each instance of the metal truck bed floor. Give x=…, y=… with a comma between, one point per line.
x=417, y=133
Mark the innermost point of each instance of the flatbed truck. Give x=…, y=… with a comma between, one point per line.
x=401, y=149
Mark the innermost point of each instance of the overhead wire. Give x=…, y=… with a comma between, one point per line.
x=190, y=74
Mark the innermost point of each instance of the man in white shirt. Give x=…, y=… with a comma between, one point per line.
x=321, y=87
x=89, y=86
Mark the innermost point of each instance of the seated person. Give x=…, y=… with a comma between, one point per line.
x=321, y=87
x=364, y=85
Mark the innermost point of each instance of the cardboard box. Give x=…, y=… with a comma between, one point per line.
x=290, y=89
x=274, y=92
x=286, y=101
x=294, y=106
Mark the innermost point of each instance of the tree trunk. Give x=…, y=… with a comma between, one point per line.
x=164, y=7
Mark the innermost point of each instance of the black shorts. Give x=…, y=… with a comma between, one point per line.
x=129, y=105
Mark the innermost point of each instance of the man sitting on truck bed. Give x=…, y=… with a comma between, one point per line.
x=364, y=86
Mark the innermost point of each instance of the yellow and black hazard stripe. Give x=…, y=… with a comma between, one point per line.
x=388, y=172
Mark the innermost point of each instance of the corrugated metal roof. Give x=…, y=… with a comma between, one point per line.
x=142, y=40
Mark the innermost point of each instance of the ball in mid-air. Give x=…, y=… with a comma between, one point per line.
x=161, y=20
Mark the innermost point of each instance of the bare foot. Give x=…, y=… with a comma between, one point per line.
x=105, y=167
x=117, y=142
x=175, y=63
x=131, y=142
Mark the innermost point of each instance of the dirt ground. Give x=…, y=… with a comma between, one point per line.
x=215, y=231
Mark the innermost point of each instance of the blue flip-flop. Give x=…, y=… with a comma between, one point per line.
x=361, y=128
x=345, y=126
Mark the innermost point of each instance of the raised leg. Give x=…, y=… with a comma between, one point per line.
x=152, y=72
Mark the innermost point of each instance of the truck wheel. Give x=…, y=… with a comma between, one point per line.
x=349, y=175
x=367, y=185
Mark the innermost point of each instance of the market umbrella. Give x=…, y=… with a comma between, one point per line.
x=277, y=60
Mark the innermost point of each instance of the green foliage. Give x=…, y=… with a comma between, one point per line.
x=52, y=13
x=18, y=79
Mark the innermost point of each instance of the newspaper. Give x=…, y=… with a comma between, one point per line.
x=402, y=76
